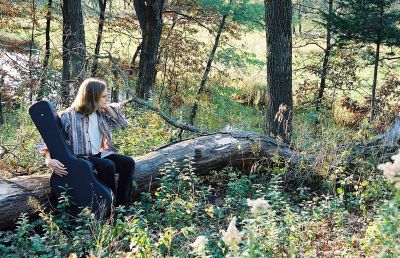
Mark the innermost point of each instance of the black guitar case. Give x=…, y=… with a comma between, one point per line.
x=81, y=182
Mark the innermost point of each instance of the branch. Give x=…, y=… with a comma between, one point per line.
x=145, y=103
x=4, y=151
x=309, y=7
x=390, y=58
x=310, y=43
x=259, y=22
x=189, y=18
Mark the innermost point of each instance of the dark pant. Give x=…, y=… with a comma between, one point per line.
x=116, y=163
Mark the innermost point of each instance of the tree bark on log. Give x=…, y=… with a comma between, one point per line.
x=15, y=194
x=209, y=152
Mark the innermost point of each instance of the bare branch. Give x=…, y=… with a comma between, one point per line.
x=189, y=18
x=389, y=58
x=310, y=43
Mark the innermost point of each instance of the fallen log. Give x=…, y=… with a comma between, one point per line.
x=15, y=193
x=382, y=146
x=209, y=152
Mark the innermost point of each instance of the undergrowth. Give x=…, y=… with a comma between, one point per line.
x=228, y=213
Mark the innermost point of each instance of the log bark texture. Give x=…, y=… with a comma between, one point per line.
x=209, y=152
x=15, y=193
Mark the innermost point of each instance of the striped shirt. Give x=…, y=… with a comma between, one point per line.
x=76, y=127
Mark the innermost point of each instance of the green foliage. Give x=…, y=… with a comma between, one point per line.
x=146, y=130
x=18, y=138
x=185, y=207
x=383, y=233
x=368, y=21
x=178, y=194
x=351, y=213
x=244, y=12
x=342, y=81
x=225, y=114
x=231, y=57
x=249, y=14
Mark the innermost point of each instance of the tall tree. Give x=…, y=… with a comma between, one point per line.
x=149, y=13
x=327, y=53
x=298, y=8
x=47, y=50
x=33, y=16
x=74, y=47
x=239, y=12
x=368, y=21
x=102, y=6
x=132, y=66
x=66, y=56
x=208, y=66
x=278, y=18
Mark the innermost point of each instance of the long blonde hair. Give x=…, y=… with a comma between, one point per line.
x=89, y=94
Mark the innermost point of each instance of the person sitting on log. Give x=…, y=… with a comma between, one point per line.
x=87, y=125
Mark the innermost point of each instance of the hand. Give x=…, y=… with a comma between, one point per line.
x=109, y=110
x=57, y=167
x=107, y=107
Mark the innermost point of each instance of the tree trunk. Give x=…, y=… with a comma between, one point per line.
x=149, y=13
x=207, y=70
x=133, y=69
x=132, y=66
x=165, y=51
x=376, y=65
x=278, y=16
x=78, y=46
x=66, y=56
x=48, y=23
x=1, y=104
x=47, y=51
x=293, y=25
x=115, y=88
x=1, y=111
x=32, y=88
x=74, y=41
x=102, y=5
x=299, y=16
x=374, y=83
x=327, y=53
x=210, y=152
